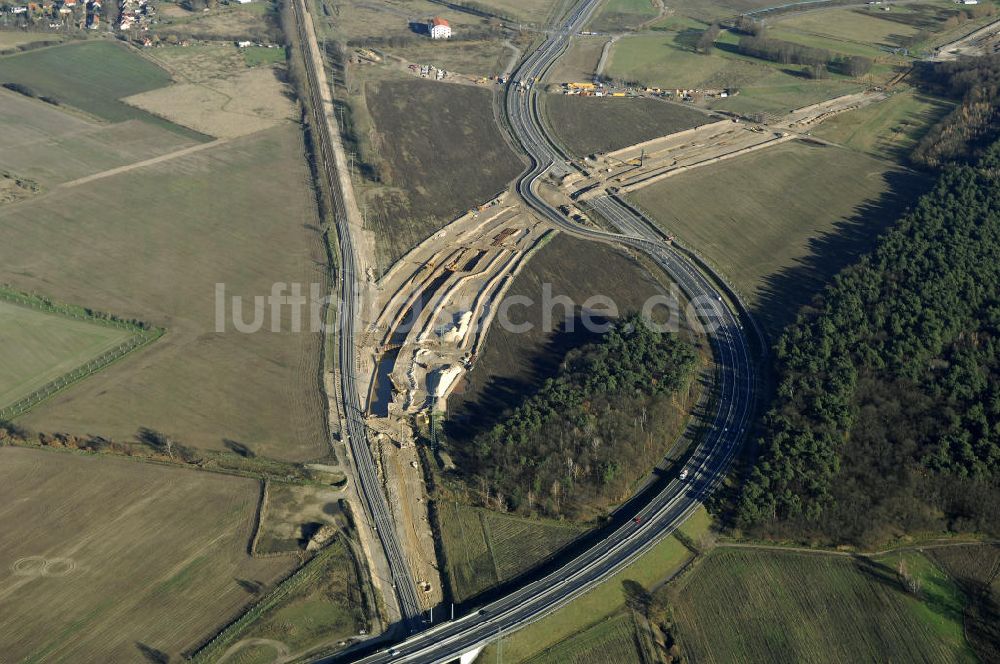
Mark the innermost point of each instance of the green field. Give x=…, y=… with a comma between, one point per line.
x=37, y=347
x=779, y=223
x=439, y=152
x=579, y=62
x=889, y=129
x=152, y=243
x=850, y=24
x=69, y=75
x=613, y=640
x=324, y=610
x=746, y=605
x=586, y=125
x=667, y=60
x=976, y=570
x=833, y=45
x=591, y=608
x=621, y=14
x=709, y=10
x=485, y=548
x=10, y=40
x=255, y=56
x=779, y=93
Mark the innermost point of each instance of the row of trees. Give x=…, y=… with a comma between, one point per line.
x=584, y=439
x=790, y=53
x=887, y=413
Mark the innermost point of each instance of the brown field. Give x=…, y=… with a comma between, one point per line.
x=200, y=62
x=293, y=512
x=51, y=146
x=530, y=11
x=10, y=39
x=102, y=558
x=579, y=62
x=753, y=606
x=440, y=154
x=357, y=20
x=485, y=58
x=586, y=125
x=243, y=103
x=151, y=244
x=229, y=22
x=779, y=223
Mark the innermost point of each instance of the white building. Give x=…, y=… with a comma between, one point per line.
x=440, y=29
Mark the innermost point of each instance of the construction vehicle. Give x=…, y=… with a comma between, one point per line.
x=369, y=54
x=634, y=162
x=502, y=236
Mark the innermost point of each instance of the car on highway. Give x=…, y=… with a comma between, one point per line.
x=684, y=474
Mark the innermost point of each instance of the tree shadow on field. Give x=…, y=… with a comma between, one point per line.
x=152, y=655
x=239, y=448
x=935, y=595
x=786, y=292
x=876, y=572
x=501, y=394
x=250, y=586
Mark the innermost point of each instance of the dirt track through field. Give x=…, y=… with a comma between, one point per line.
x=142, y=164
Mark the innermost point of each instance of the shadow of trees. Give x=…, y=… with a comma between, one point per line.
x=785, y=292
x=503, y=393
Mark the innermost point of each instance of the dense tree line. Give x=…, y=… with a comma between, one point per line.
x=785, y=52
x=974, y=123
x=584, y=439
x=790, y=53
x=887, y=412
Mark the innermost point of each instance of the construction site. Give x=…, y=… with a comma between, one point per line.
x=643, y=164
x=431, y=314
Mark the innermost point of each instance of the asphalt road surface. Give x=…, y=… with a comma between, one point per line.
x=733, y=403
x=369, y=486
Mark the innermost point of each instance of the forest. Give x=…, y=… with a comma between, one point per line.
x=886, y=418
x=582, y=441
x=961, y=135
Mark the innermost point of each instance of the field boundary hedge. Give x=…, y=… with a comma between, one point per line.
x=214, y=648
x=143, y=334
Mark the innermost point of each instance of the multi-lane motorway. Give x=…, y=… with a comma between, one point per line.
x=733, y=402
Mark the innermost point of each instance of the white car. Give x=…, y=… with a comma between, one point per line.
x=684, y=474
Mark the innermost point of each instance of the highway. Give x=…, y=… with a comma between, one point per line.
x=733, y=398
x=332, y=165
